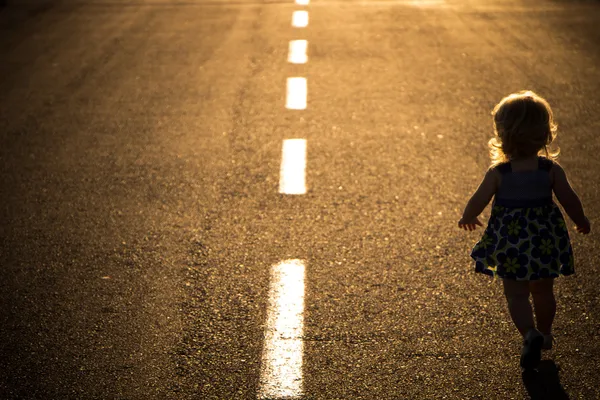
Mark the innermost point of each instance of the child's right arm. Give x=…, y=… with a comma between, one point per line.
x=569, y=199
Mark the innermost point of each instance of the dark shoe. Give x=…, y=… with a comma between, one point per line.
x=531, y=354
x=548, y=342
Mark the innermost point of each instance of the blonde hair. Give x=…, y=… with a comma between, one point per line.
x=523, y=126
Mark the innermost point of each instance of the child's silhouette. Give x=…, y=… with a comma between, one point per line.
x=526, y=242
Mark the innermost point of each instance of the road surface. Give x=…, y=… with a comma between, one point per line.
x=141, y=221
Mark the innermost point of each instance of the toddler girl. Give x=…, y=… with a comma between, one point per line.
x=526, y=242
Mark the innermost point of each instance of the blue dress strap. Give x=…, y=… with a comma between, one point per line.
x=544, y=163
x=504, y=168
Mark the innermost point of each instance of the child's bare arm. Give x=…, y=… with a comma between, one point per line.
x=482, y=196
x=568, y=198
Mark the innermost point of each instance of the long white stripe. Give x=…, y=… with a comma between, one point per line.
x=297, y=52
x=302, y=2
x=281, y=369
x=300, y=19
x=292, y=175
x=296, y=93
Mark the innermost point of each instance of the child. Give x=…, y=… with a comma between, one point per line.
x=526, y=242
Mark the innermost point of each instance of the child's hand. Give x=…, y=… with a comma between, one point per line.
x=585, y=229
x=470, y=224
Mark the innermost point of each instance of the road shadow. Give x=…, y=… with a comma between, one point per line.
x=544, y=384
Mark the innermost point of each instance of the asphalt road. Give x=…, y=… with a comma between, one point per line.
x=140, y=146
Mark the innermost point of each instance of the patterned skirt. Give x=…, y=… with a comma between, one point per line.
x=525, y=243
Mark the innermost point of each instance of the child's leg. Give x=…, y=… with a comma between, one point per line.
x=542, y=292
x=517, y=295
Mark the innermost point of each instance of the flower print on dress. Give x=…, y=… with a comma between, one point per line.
x=533, y=227
x=513, y=227
x=486, y=245
x=567, y=262
x=512, y=264
x=496, y=217
x=560, y=227
x=539, y=213
x=535, y=270
x=564, y=244
x=498, y=211
x=544, y=247
x=480, y=266
x=549, y=272
x=522, y=243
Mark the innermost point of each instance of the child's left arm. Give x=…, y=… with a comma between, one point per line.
x=486, y=190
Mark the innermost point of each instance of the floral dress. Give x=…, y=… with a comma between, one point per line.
x=526, y=238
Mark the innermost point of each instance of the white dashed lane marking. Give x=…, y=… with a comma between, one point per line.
x=296, y=93
x=292, y=176
x=281, y=374
x=281, y=366
x=300, y=19
x=297, y=52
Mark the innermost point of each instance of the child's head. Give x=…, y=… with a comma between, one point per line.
x=523, y=126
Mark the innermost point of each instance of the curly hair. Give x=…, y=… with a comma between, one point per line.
x=523, y=127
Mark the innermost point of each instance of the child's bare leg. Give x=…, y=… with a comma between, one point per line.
x=544, y=303
x=517, y=295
